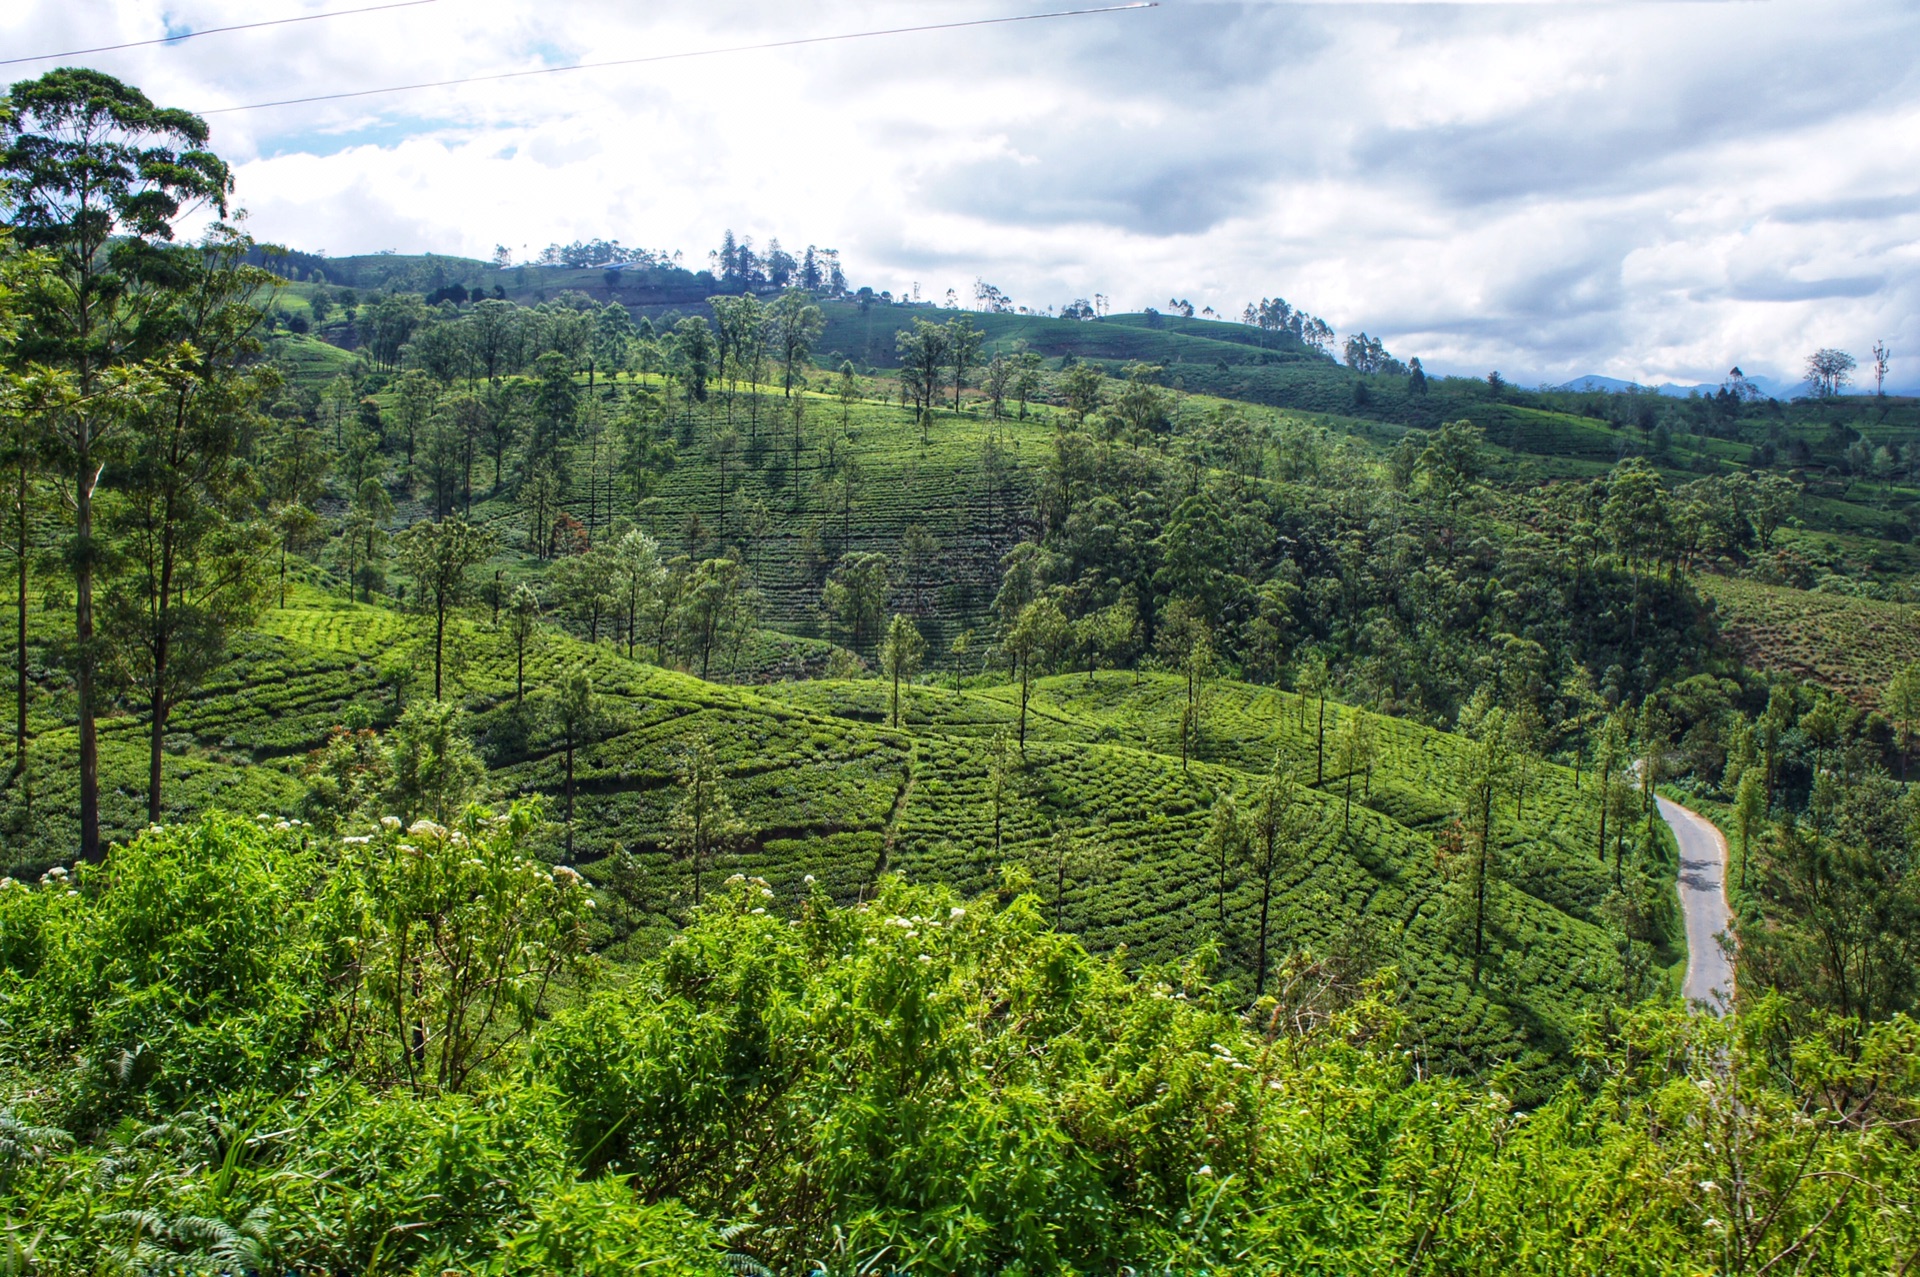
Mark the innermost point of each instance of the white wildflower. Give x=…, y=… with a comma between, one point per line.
x=425, y=829
x=956, y=912
x=807, y=881
x=1204, y=1170
x=357, y=840
x=565, y=877
x=389, y=823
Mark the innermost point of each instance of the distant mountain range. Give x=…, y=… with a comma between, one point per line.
x=1768, y=385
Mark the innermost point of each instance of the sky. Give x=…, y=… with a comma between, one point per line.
x=1654, y=191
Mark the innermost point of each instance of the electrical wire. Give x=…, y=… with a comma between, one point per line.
x=189, y=35
x=693, y=53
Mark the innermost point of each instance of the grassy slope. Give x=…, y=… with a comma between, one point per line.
x=1853, y=646
x=826, y=789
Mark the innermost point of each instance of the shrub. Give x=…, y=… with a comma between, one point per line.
x=180, y=968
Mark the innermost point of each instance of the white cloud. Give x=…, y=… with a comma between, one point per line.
x=1652, y=190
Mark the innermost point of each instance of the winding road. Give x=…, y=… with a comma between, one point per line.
x=1703, y=899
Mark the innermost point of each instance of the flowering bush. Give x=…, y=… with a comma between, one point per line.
x=447, y=943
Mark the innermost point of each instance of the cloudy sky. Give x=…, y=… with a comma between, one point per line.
x=1651, y=190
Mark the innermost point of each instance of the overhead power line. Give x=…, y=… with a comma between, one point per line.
x=191, y=35
x=692, y=53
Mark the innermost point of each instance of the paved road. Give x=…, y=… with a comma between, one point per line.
x=1703, y=898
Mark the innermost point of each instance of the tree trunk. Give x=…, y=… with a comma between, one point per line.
x=1023, y=706
x=1320, y=745
x=1480, y=885
x=20, y=618
x=569, y=795
x=90, y=848
x=162, y=653
x=439, y=639
x=1266, y=900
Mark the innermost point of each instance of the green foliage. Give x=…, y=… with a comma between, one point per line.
x=1139, y=1123
x=900, y=655
x=176, y=971
x=451, y=940
x=1851, y=645
x=920, y=1080
x=431, y=768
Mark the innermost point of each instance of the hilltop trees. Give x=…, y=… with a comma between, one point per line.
x=1829, y=371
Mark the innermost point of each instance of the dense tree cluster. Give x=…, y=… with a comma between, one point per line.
x=1276, y=314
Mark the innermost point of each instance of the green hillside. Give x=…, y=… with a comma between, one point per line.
x=826, y=790
x=1850, y=645
x=597, y=768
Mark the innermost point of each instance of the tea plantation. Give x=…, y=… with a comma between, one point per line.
x=827, y=791
x=1850, y=645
